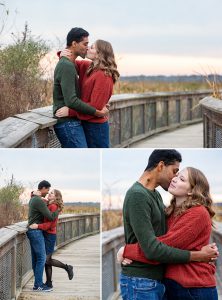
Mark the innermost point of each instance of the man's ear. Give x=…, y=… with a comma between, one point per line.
x=160, y=166
x=74, y=43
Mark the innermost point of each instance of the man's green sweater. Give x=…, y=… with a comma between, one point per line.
x=144, y=219
x=66, y=90
x=38, y=210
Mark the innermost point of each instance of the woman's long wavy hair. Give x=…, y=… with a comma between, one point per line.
x=58, y=199
x=105, y=60
x=200, y=194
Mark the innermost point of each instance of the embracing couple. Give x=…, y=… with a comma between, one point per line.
x=42, y=221
x=82, y=89
x=167, y=255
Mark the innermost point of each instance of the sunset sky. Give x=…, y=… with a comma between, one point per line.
x=75, y=173
x=128, y=166
x=149, y=37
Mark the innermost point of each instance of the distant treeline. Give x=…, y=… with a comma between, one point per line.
x=163, y=78
x=92, y=204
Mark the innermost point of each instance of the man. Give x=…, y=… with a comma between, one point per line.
x=37, y=211
x=144, y=219
x=66, y=93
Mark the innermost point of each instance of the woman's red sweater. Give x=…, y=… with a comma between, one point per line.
x=96, y=90
x=47, y=225
x=189, y=231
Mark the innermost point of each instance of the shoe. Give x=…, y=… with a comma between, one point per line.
x=42, y=288
x=69, y=270
x=48, y=284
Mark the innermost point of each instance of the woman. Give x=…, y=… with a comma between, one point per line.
x=49, y=227
x=96, y=79
x=189, y=227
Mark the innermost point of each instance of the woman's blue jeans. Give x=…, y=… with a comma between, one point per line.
x=37, y=243
x=136, y=288
x=176, y=291
x=97, y=134
x=70, y=134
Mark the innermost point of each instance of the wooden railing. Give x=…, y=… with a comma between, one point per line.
x=112, y=240
x=212, y=119
x=133, y=117
x=15, y=254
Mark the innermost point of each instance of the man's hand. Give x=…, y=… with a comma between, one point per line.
x=62, y=112
x=102, y=113
x=208, y=253
x=33, y=226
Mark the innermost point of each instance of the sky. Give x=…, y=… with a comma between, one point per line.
x=121, y=168
x=149, y=37
x=75, y=173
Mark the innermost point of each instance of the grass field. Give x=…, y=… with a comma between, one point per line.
x=113, y=218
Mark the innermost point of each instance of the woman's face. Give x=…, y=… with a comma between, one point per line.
x=92, y=53
x=51, y=195
x=180, y=185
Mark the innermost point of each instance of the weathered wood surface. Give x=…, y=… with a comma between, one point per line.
x=44, y=111
x=41, y=120
x=84, y=255
x=13, y=131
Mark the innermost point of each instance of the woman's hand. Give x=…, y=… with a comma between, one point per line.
x=36, y=193
x=33, y=226
x=121, y=259
x=62, y=112
x=68, y=54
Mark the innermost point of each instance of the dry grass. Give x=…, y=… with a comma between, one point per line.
x=218, y=211
x=23, y=96
x=111, y=219
x=122, y=87
x=21, y=213
x=80, y=209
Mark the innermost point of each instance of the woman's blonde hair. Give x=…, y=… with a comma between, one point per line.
x=58, y=199
x=200, y=194
x=105, y=60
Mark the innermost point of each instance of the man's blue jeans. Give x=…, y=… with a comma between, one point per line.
x=97, y=134
x=37, y=244
x=176, y=291
x=136, y=288
x=70, y=134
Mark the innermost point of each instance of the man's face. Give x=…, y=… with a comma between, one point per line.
x=44, y=191
x=167, y=174
x=82, y=47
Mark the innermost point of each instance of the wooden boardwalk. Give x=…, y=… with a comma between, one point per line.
x=190, y=136
x=84, y=255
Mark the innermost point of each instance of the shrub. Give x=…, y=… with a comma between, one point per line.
x=21, y=78
x=11, y=210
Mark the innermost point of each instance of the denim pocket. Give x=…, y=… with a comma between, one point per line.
x=145, y=284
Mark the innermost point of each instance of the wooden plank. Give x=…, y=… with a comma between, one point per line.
x=6, y=235
x=44, y=111
x=13, y=131
x=84, y=255
x=41, y=120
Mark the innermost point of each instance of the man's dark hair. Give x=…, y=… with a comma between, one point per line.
x=76, y=34
x=168, y=156
x=44, y=184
